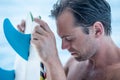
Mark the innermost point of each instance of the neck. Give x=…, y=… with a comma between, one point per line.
x=108, y=54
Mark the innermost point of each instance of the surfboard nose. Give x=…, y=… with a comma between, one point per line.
x=20, y=42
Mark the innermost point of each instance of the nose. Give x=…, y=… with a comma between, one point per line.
x=65, y=44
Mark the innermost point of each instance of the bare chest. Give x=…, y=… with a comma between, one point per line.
x=94, y=75
x=85, y=74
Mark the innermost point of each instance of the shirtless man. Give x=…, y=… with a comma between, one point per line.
x=85, y=28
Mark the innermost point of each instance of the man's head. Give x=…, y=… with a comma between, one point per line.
x=86, y=12
x=80, y=22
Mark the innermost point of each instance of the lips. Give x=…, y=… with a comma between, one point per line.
x=74, y=54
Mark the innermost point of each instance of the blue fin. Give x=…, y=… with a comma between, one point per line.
x=20, y=42
x=7, y=75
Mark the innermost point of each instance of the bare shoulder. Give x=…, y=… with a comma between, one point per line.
x=75, y=69
x=70, y=62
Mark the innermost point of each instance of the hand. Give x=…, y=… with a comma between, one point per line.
x=21, y=27
x=44, y=41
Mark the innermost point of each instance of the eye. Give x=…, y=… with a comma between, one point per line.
x=68, y=38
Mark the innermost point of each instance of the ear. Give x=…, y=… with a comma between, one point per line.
x=98, y=29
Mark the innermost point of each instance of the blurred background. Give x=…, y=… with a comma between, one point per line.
x=16, y=10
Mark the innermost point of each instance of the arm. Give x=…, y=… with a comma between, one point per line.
x=55, y=70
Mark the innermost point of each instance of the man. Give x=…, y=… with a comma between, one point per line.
x=85, y=28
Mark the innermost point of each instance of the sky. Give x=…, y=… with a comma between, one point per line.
x=16, y=10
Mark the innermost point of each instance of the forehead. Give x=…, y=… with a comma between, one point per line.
x=65, y=22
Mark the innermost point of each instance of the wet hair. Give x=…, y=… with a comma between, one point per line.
x=86, y=12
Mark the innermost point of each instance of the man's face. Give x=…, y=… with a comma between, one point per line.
x=82, y=46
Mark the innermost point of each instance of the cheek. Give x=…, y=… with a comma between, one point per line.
x=78, y=44
x=84, y=45
x=90, y=46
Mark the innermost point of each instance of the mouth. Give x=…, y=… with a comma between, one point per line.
x=74, y=54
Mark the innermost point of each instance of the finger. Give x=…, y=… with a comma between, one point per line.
x=36, y=41
x=23, y=23
x=36, y=36
x=43, y=24
x=19, y=28
x=39, y=30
